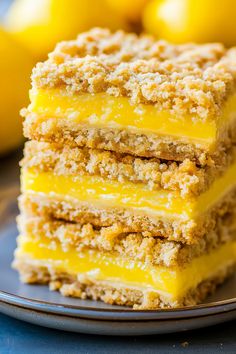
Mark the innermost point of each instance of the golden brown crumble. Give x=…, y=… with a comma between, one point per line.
x=140, y=246
x=174, y=229
x=184, y=177
x=185, y=79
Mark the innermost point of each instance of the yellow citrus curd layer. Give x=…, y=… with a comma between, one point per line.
x=102, y=110
x=107, y=193
x=173, y=282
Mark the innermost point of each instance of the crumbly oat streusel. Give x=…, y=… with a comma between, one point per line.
x=173, y=229
x=185, y=177
x=186, y=79
x=140, y=246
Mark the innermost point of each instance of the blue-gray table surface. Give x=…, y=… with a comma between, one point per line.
x=23, y=338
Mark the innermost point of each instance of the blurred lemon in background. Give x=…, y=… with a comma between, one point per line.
x=37, y=25
x=182, y=21
x=40, y=24
x=129, y=9
x=15, y=69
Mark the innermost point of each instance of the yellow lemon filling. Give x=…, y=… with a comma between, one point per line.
x=172, y=282
x=107, y=193
x=102, y=110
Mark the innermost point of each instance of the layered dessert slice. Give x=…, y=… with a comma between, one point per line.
x=178, y=201
x=136, y=95
x=128, y=182
x=120, y=267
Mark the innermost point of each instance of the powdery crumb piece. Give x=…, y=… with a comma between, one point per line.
x=185, y=344
x=185, y=79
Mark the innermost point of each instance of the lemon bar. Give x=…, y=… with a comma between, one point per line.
x=178, y=201
x=136, y=95
x=88, y=263
x=128, y=180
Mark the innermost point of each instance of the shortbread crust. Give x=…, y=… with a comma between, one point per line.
x=85, y=288
x=187, y=231
x=116, y=240
x=65, y=132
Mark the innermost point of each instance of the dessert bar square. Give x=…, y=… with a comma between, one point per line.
x=136, y=95
x=128, y=180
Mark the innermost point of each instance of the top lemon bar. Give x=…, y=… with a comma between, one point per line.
x=136, y=95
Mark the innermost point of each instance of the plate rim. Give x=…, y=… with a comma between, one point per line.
x=119, y=313
x=93, y=326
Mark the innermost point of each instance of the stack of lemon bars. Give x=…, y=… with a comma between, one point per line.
x=129, y=177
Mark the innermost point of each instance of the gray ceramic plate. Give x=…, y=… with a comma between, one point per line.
x=36, y=304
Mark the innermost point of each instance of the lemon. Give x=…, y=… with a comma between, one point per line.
x=15, y=68
x=130, y=9
x=199, y=21
x=40, y=24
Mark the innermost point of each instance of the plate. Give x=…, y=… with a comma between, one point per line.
x=38, y=305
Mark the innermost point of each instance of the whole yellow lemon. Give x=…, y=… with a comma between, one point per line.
x=15, y=68
x=199, y=21
x=130, y=9
x=40, y=24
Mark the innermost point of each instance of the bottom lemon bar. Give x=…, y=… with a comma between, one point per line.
x=90, y=273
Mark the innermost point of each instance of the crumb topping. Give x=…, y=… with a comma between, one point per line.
x=114, y=240
x=185, y=177
x=179, y=230
x=185, y=79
